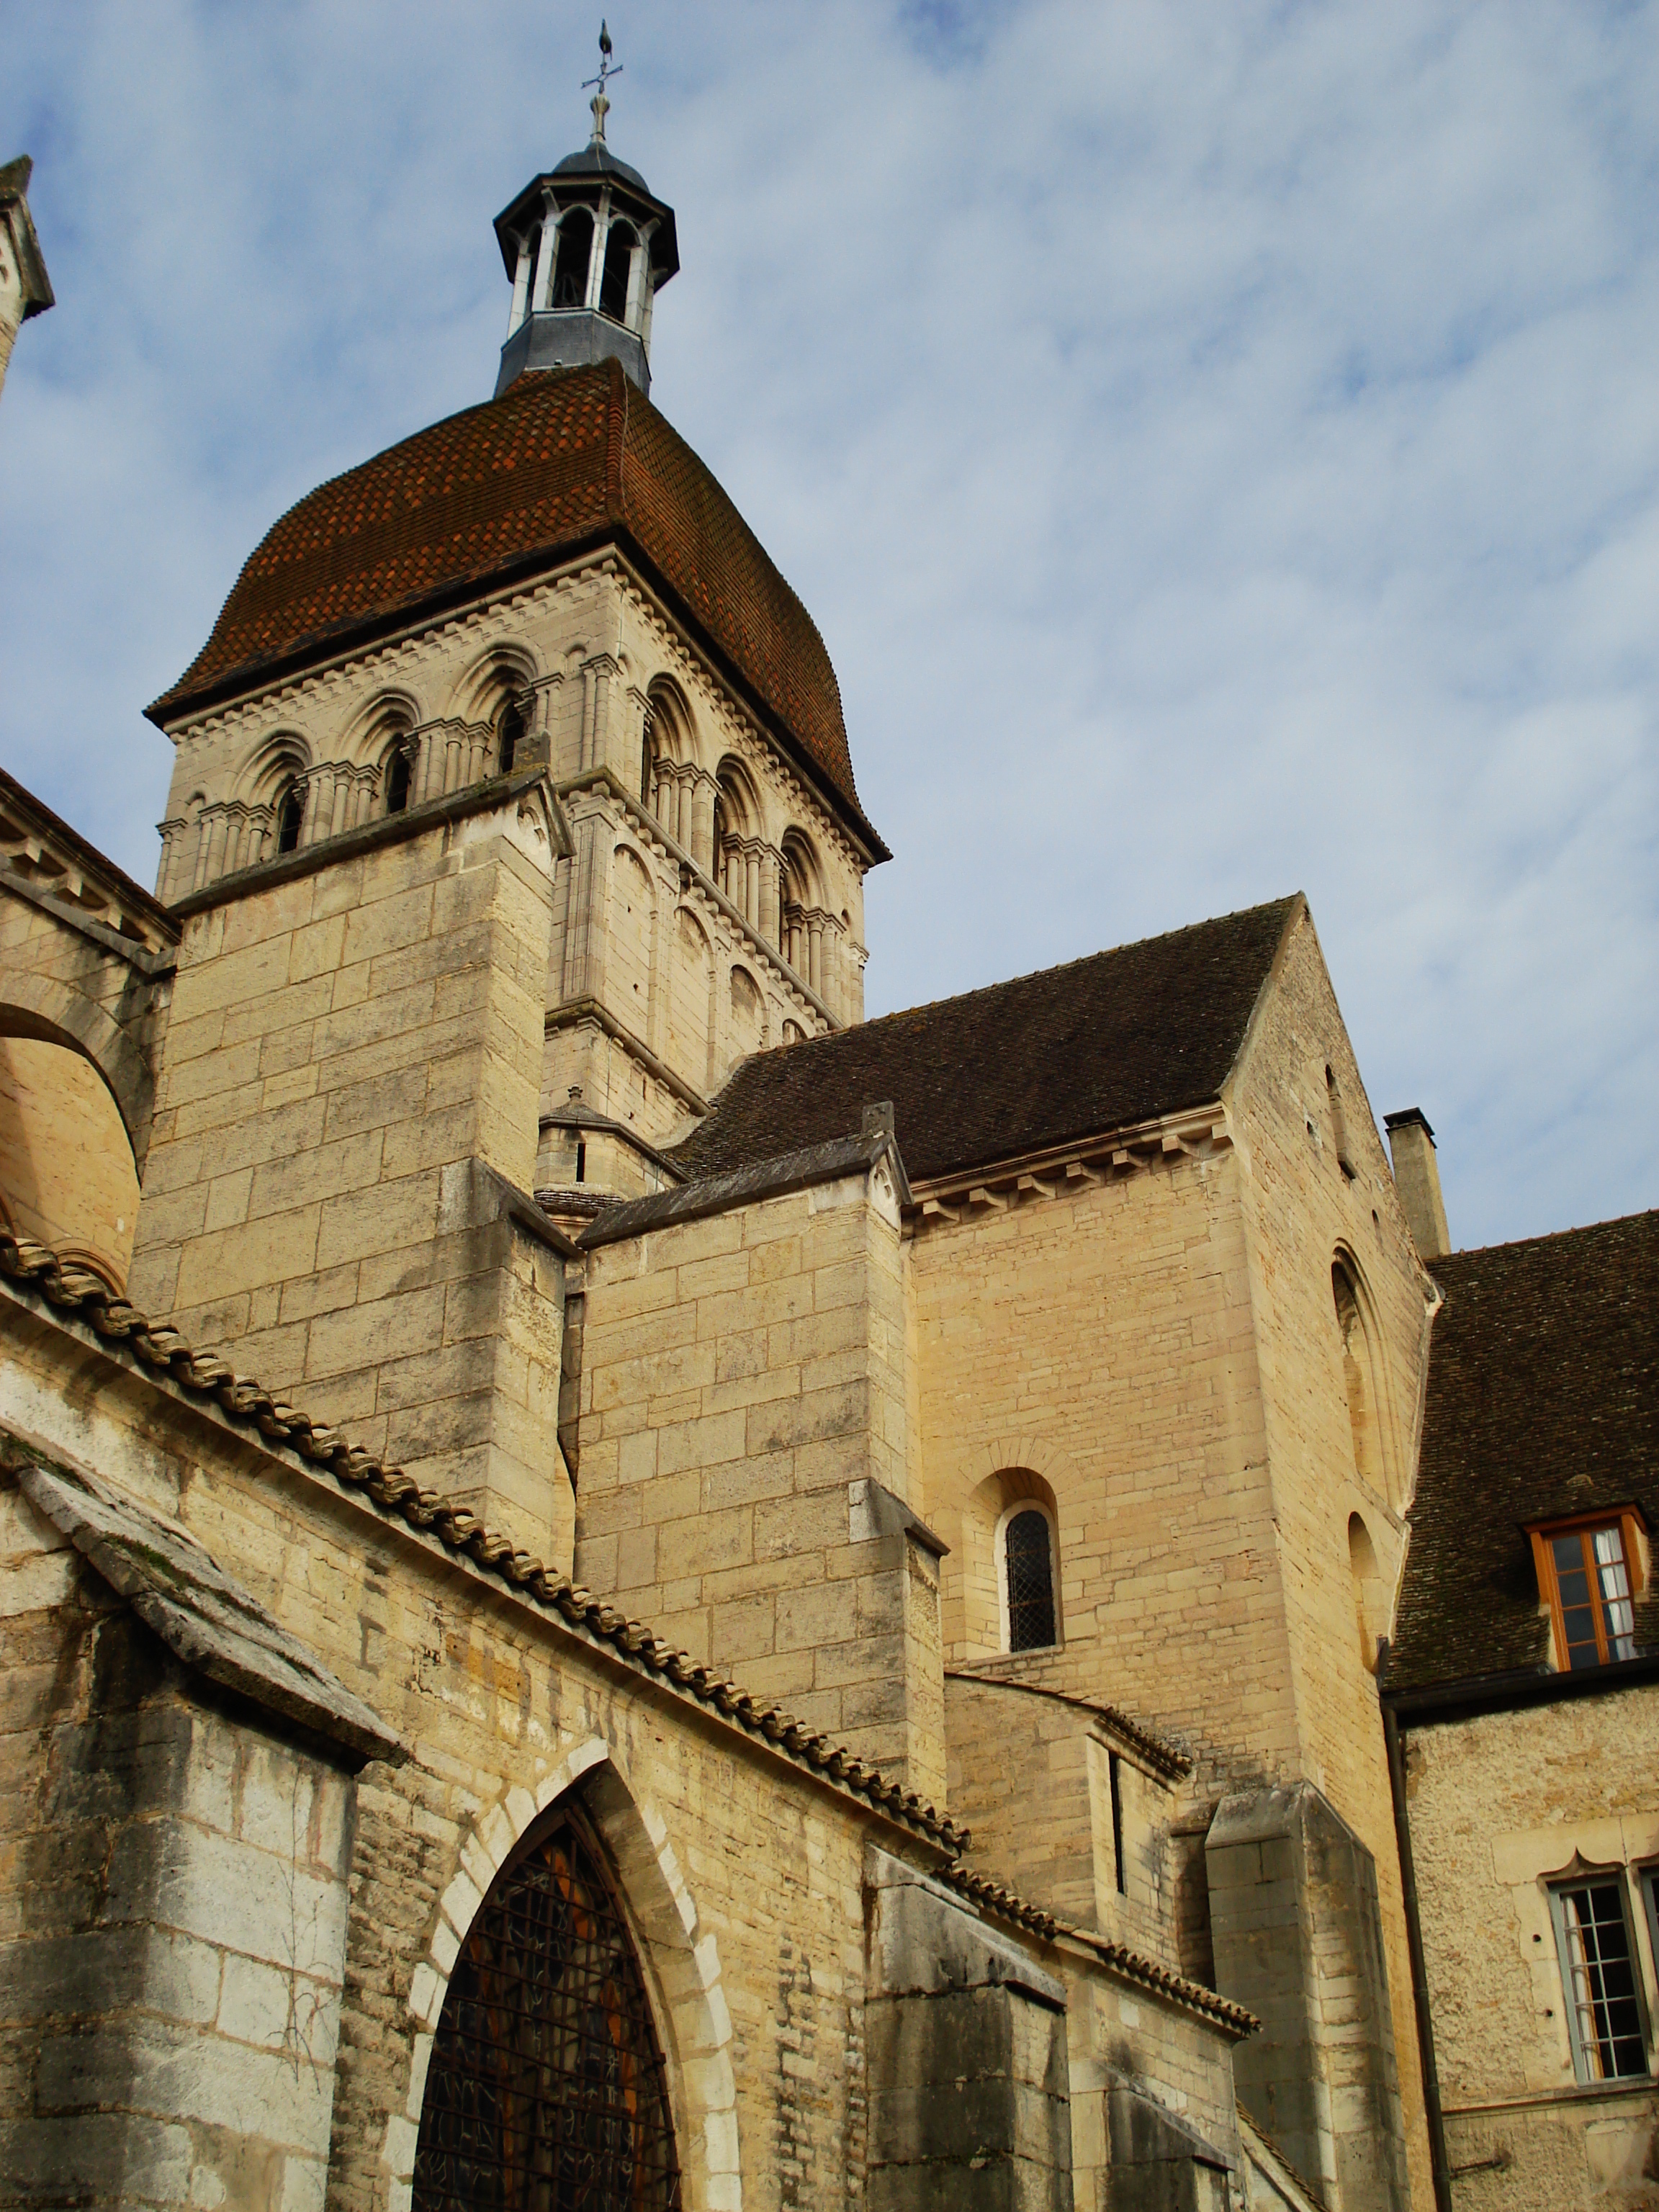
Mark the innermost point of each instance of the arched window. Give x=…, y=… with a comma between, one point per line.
x=546, y=2086
x=509, y=729
x=290, y=814
x=575, y=251
x=1028, y=1579
x=397, y=781
x=613, y=284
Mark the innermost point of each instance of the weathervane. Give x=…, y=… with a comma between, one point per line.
x=599, y=103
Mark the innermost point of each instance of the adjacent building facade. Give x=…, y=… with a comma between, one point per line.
x=625, y=1588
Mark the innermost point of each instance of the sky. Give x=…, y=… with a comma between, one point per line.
x=1218, y=444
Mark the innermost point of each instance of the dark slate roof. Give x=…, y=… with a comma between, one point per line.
x=1543, y=1398
x=564, y=459
x=1097, y=1045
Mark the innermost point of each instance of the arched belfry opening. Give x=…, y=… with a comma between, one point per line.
x=547, y=2087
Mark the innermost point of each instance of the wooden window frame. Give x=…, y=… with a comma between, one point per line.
x=1632, y=1524
x=1614, y=1877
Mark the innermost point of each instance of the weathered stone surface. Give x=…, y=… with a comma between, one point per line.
x=209, y=1621
x=969, y=2086
x=1298, y=1939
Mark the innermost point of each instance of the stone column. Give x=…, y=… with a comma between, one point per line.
x=547, y=249
x=768, y=913
x=524, y=271
x=703, y=788
x=172, y=833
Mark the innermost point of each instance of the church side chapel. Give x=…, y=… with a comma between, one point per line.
x=623, y=1589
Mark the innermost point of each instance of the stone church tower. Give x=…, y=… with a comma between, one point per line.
x=898, y=1519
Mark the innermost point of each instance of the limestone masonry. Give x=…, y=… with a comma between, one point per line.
x=623, y=1590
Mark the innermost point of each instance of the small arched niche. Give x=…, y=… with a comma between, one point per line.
x=1362, y=1379
x=666, y=746
x=1371, y=1595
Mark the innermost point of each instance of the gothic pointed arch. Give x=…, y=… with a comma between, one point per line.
x=547, y=2083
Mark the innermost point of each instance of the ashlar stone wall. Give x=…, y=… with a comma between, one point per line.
x=1101, y=1339
x=171, y=1914
x=1500, y=1803
x=348, y=1092
x=1069, y=1809
x=747, y=1878
x=747, y=1476
x=1303, y=1210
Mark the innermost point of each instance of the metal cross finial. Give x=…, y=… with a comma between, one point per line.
x=599, y=103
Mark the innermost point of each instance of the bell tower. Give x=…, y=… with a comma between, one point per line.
x=588, y=248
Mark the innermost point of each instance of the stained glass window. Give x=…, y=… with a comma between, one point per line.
x=546, y=2089
x=1028, y=1555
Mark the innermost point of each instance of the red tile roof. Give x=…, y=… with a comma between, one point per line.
x=563, y=460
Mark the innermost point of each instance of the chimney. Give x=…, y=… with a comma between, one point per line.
x=1417, y=1179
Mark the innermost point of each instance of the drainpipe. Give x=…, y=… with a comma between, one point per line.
x=1440, y=2166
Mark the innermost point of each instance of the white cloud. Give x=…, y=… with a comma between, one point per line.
x=1219, y=446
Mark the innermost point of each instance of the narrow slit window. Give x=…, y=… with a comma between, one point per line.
x=1598, y=1976
x=289, y=816
x=1114, y=1772
x=397, y=794
x=1029, y=1559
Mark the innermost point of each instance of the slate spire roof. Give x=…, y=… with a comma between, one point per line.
x=1099, y=1045
x=563, y=462
x=1543, y=1400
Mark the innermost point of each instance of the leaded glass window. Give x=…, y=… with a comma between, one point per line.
x=1029, y=1564
x=1598, y=1974
x=546, y=2089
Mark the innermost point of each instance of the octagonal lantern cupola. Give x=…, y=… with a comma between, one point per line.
x=587, y=247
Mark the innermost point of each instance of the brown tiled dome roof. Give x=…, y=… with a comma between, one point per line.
x=563, y=461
